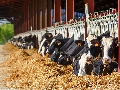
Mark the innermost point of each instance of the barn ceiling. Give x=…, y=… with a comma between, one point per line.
x=99, y=5
x=10, y=8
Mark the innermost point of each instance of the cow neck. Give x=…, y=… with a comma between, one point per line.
x=42, y=43
x=52, y=41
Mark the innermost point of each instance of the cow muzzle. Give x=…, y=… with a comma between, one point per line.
x=89, y=60
x=106, y=62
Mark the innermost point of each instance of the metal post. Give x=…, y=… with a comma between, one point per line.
x=33, y=15
x=119, y=35
x=15, y=29
x=39, y=14
x=57, y=10
x=90, y=9
x=24, y=22
x=30, y=15
x=44, y=14
x=90, y=5
x=69, y=10
x=49, y=13
x=28, y=19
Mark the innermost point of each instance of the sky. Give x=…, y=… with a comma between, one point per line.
x=3, y=21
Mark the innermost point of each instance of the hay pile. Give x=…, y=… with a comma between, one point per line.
x=29, y=70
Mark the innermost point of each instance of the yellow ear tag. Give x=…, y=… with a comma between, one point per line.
x=96, y=44
x=117, y=45
x=49, y=35
x=79, y=44
x=59, y=43
x=67, y=59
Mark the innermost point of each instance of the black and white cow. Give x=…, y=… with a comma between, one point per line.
x=45, y=42
x=57, y=42
x=30, y=42
x=24, y=41
x=60, y=51
x=105, y=65
x=110, y=54
x=82, y=63
x=73, y=49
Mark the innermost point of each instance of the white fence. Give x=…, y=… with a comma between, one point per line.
x=97, y=23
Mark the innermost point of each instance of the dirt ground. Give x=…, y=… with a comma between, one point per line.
x=3, y=55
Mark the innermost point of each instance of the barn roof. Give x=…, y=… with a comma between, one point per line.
x=10, y=8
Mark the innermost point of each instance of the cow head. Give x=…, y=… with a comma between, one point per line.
x=93, y=45
x=79, y=42
x=52, y=47
x=52, y=43
x=48, y=35
x=109, y=45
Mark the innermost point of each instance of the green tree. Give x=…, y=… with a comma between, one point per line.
x=6, y=32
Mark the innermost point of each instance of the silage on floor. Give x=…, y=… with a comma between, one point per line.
x=29, y=70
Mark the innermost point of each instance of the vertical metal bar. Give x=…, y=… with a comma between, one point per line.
x=15, y=29
x=57, y=10
x=28, y=18
x=90, y=5
x=91, y=9
x=30, y=15
x=24, y=22
x=119, y=35
x=18, y=27
x=49, y=13
x=39, y=14
x=69, y=9
x=33, y=15
x=44, y=13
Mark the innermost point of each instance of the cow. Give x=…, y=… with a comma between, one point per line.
x=27, y=42
x=30, y=41
x=110, y=54
x=59, y=51
x=109, y=60
x=73, y=49
x=57, y=42
x=82, y=62
x=44, y=43
x=24, y=41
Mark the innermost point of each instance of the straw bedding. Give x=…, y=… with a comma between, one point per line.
x=28, y=70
